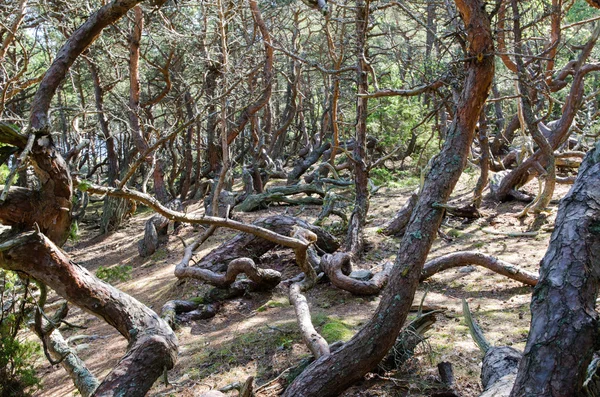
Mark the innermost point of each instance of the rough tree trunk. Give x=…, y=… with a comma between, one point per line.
x=152, y=344
x=564, y=324
x=358, y=219
x=333, y=373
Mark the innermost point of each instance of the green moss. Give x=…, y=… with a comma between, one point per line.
x=277, y=302
x=480, y=244
x=115, y=273
x=197, y=299
x=335, y=330
x=160, y=254
x=455, y=233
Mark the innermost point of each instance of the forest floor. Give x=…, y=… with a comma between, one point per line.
x=257, y=334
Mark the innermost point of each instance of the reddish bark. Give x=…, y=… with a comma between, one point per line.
x=152, y=344
x=331, y=374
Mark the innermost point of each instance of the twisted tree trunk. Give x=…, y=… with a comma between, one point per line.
x=333, y=373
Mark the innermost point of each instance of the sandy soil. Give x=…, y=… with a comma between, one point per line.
x=256, y=334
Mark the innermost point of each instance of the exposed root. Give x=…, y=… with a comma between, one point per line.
x=264, y=278
x=338, y=266
x=179, y=311
x=463, y=258
x=398, y=225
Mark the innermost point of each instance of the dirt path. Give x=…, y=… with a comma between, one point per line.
x=256, y=334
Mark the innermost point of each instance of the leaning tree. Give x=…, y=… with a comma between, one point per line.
x=40, y=220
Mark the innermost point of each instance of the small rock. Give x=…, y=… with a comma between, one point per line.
x=361, y=274
x=467, y=269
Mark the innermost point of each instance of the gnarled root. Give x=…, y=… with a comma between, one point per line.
x=458, y=259
x=178, y=311
x=397, y=226
x=338, y=266
x=264, y=278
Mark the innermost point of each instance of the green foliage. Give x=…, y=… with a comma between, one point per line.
x=393, y=178
x=17, y=375
x=16, y=371
x=74, y=232
x=84, y=185
x=115, y=273
x=580, y=11
x=4, y=171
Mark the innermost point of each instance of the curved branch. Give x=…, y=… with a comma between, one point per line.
x=192, y=218
x=265, y=278
x=152, y=344
x=338, y=266
x=81, y=39
x=464, y=258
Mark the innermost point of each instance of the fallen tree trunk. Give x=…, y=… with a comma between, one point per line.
x=280, y=194
x=250, y=246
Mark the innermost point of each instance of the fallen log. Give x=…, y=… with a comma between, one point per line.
x=250, y=246
x=280, y=194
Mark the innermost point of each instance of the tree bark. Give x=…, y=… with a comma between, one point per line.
x=564, y=323
x=152, y=344
x=333, y=373
x=358, y=219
